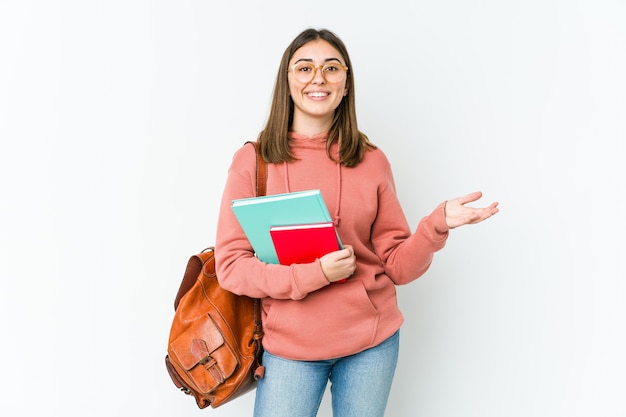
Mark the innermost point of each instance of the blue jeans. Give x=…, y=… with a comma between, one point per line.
x=360, y=383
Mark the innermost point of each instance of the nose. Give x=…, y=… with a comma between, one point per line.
x=318, y=76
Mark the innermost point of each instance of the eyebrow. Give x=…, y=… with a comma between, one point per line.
x=310, y=60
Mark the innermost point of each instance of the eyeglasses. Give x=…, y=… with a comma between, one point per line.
x=304, y=72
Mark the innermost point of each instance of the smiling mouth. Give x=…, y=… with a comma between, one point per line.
x=317, y=94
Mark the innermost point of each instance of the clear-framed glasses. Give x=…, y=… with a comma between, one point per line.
x=332, y=72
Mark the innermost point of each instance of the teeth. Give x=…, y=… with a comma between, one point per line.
x=317, y=94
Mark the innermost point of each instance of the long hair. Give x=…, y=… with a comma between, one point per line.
x=274, y=138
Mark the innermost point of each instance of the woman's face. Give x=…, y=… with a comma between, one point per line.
x=315, y=100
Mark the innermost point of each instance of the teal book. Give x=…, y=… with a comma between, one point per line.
x=257, y=215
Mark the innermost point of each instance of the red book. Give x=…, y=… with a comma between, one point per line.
x=303, y=243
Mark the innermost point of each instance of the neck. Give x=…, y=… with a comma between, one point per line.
x=311, y=126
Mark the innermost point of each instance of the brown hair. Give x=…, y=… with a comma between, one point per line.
x=274, y=140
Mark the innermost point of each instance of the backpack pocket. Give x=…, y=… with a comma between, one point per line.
x=203, y=355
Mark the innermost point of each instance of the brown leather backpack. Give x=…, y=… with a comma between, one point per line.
x=214, y=350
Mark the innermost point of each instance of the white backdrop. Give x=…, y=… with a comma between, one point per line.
x=118, y=120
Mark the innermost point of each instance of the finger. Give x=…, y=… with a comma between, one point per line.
x=346, y=252
x=470, y=197
x=474, y=217
x=487, y=212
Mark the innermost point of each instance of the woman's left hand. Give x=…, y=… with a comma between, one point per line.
x=457, y=214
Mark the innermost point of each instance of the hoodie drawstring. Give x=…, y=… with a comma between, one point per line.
x=337, y=205
x=336, y=221
x=286, y=172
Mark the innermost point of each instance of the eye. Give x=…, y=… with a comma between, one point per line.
x=304, y=68
x=331, y=68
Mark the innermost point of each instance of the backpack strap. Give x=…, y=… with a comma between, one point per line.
x=261, y=171
x=261, y=189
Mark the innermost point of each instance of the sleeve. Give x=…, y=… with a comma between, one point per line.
x=405, y=255
x=238, y=270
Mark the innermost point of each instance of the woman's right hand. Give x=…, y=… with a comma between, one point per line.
x=339, y=264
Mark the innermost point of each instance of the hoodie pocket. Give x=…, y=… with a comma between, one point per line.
x=336, y=321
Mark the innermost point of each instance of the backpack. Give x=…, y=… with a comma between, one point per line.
x=214, y=350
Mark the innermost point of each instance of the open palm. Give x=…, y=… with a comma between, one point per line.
x=458, y=214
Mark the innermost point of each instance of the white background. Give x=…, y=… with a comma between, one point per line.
x=118, y=120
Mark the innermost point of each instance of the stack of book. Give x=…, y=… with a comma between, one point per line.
x=288, y=228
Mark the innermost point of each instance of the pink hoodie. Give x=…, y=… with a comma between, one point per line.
x=305, y=317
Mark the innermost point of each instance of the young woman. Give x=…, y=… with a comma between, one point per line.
x=317, y=330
